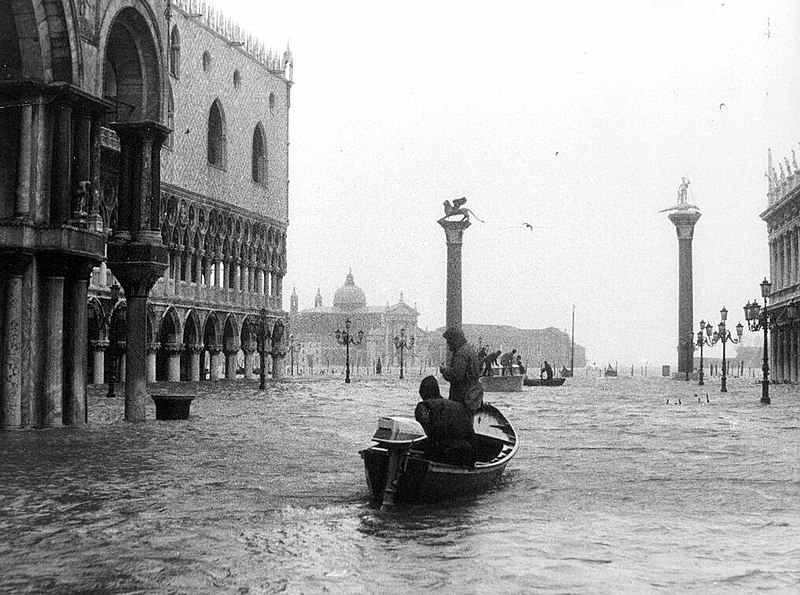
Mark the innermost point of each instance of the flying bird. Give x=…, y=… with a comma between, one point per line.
x=721, y=105
x=528, y=225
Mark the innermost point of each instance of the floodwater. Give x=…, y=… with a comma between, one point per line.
x=613, y=490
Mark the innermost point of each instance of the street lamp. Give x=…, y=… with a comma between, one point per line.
x=757, y=319
x=724, y=335
x=346, y=339
x=113, y=346
x=704, y=340
x=401, y=344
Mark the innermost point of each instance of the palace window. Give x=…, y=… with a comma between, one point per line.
x=259, y=158
x=216, y=136
x=175, y=52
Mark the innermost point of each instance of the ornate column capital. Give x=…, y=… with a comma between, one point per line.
x=454, y=230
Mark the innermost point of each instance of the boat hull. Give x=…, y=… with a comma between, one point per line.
x=423, y=480
x=544, y=381
x=502, y=384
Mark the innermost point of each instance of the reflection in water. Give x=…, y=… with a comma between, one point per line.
x=264, y=492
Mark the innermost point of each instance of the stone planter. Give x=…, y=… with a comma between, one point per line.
x=172, y=406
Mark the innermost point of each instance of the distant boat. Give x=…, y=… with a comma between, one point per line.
x=502, y=384
x=543, y=381
x=610, y=372
x=565, y=372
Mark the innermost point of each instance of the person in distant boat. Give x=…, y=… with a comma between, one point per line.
x=463, y=371
x=520, y=366
x=507, y=362
x=447, y=424
x=481, y=353
x=489, y=361
x=547, y=371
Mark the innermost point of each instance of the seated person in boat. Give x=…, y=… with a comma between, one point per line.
x=507, y=362
x=520, y=366
x=448, y=425
x=488, y=361
x=547, y=371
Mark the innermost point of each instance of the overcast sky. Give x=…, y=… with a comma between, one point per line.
x=577, y=117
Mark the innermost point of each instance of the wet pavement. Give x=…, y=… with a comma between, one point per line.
x=613, y=490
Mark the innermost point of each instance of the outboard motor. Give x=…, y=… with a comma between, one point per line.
x=397, y=435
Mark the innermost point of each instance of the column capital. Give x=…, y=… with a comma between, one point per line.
x=172, y=348
x=454, y=230
x=99, y=344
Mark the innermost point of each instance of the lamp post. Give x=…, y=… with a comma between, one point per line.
x=113, y=345
x=724, y=335
x=401, y=343
x=757, y=319
x=704, y=340
x=346, y=339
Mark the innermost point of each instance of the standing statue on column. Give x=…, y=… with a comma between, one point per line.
x=683, y=189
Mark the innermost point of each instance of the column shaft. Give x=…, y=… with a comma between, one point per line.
x=52, y=350
x=75, y=346
x=11, y=389
x=23, y=200
x=136, y=359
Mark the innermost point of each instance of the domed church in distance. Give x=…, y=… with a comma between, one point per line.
x=314, y=332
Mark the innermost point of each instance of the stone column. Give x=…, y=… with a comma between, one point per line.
x=214, y=365
x=99, y=361
x=194, y=362
x=277, y=365
x=772, y=265
x=230, y=364
x=52, y=345
x=138, y=262
x=22, y=204
x=173, y=362
x=792, y=353
x=152, y=360
x=684, y=221
x=61, y=185
x=82, y=166
x=249, y=362
x=454, y=234
x=76, y=321
x=12, y=343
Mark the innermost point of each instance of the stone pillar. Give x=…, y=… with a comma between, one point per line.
x=61, y=185
x=277, y=365
x=173, y=362
x=99, y=361
x=214, y=365
x=772, y=265
x=22, y=204
x=138, y=257
x=230, y=364
x=52, y=345
x=76, y=321
x=454, y=234
x=194, y=362
x=249, y=362
x=12, y=343
x=82, y=165
x=792, y=353
x=684, y=221
x=152, y=360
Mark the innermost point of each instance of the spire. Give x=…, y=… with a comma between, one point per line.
x=772, y=177
x=318, y=299
x=401, y=297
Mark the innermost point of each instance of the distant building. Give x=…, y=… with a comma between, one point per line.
x=313, y=331
x=534, y=345
x=782, y=217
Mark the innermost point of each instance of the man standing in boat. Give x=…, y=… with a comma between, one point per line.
x=547, y=371
x=507, y=362
x=463, y=371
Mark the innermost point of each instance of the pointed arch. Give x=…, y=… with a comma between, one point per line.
x=259, y=155
x=217, y=141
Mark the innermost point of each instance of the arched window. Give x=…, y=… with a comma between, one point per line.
x=259, y=156
x=175, y=52
x=216, y=135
